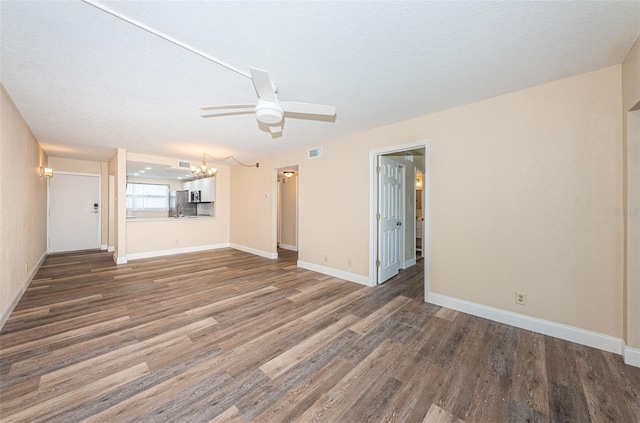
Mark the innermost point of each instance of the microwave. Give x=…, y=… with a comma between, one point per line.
x=195, y=196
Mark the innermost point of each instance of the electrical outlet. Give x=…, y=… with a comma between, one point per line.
x=349, y=262
x=521, y=298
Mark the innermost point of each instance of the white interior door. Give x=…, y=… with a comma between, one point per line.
x=389, y=218
x=74, y=212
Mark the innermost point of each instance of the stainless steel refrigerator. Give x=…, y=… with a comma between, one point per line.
x=179, y=205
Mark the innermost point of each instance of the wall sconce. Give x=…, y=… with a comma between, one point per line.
x=418, y=184
x=46, y=172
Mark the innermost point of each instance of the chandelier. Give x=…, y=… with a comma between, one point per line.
x=203, y=171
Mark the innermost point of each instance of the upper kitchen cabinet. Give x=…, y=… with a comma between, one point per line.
x=208, y=189
x=189, y=186
x=206, y=186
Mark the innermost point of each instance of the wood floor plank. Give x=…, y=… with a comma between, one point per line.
x=279, y=387
x=600, y=393
x=447, y=313
x=231, y=415
x=45, y=410
x=302, y=397
x=338, y=303
x=416, y=393
x=438, y=415
x=109, y=361
x=530, y=385
x=332, y=405
x=371, y=321
x=34, y=343
x=290, y=358
x=223, y=335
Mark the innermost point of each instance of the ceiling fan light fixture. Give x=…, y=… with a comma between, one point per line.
x=269, y=114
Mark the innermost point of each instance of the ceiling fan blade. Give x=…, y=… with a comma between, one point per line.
x=308, y=108
x=227, y=106
x=262, y=83
x=228, y=113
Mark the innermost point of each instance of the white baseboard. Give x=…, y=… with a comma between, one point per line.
x=288, y=247
x=409, y=263
x=103, y=247
x=631, y=356
x=545, y=327
x=20, y=292
x=253, y=251
x=119, y=260
x=336, y=273
x=111, y=248
x=172, y=251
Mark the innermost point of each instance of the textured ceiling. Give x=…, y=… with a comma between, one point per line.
x=87, y=82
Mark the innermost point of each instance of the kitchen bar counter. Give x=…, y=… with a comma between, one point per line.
x=149, y=236
x=157, y=219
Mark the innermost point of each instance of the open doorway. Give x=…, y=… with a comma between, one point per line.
x=395, y=231
x=287, y=206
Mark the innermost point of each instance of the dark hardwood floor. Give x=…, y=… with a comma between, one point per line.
x=224, y=336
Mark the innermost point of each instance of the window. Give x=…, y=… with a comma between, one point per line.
x=147, y=197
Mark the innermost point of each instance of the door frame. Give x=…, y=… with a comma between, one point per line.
x=373, y=207
x=97, y=175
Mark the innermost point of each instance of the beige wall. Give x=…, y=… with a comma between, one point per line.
x=288, y=206
x=23, y=205
x=151, y=236
x=117, y=167
x=519, y=188
x=61, y=164
x=631, y=215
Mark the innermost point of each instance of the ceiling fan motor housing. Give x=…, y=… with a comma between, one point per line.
x=268, y=112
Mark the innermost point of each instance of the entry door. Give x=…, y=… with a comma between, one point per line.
x=390, y=218
x=74, y=212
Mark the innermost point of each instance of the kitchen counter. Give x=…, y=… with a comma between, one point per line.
x=156, y=219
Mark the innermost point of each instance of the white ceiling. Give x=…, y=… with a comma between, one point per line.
x=87, y=82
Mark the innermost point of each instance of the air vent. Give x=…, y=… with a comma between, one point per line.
x=314, y=152
x=186, y=165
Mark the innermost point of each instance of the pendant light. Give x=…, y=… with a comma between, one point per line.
x=203, y=171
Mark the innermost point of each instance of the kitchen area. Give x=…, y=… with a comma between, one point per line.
x=171, y=210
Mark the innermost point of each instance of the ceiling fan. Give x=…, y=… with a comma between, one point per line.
x=269, y=109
